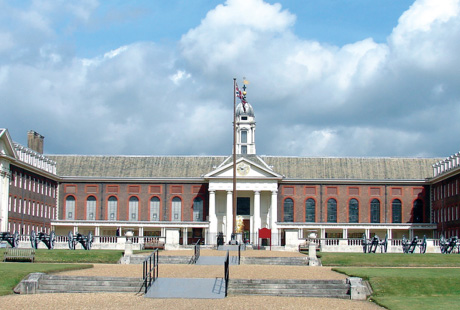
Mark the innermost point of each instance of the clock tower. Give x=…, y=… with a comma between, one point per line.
x=245, y=129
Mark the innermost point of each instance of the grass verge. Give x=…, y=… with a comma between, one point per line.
x=12, y=273
x=411, y=288
x=76, y=256
x=389, y=260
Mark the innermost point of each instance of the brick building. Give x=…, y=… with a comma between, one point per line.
x=191, y=196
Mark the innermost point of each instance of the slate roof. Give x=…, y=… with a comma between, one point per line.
x=352, y=168
x=301, y=168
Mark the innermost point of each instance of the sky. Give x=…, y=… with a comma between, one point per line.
x=332, y=78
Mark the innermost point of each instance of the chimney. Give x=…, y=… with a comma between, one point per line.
x=35, y=141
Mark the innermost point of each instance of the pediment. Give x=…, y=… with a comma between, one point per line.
x=245, y=169
x=6, y=144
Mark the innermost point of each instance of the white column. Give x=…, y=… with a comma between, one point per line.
x=229, y=216
x=257, y=220
x=274, y=211
x=345, y=233
x=4, y=194
x=212, y=217
x=184, y=236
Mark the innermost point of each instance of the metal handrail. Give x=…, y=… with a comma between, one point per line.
x=239, y=254
x=226, y=273
x=150, y=270
x=197, y=250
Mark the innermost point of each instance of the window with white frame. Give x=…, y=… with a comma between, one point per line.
x=155, y=209
x=133, y=208
x=176, y=209
x=70, y=207
x=112, y=206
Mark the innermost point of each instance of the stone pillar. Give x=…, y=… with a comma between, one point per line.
x=172, y=238
x=184, y=236
x=345, y=233
x=229, y=224
x=274, y=211
x=212, y=217
x=4, y=194
x=257, y=220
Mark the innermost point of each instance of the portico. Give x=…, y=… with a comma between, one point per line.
x=257, y=194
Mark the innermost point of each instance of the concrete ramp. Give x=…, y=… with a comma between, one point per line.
x=187, y=288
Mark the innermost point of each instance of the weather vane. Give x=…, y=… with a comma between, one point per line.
x=242, y=95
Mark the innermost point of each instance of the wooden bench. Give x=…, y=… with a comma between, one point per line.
x=154, y=245
x=15, y=254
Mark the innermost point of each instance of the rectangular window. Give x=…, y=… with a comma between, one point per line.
x=112, y=189
x=353, y=191
x=176, y=189
x=91, y=189
x=244, y=149
x=374, y=191
x=134, y=189
x=155, y=189
x=310, y=190
x=244, y=136
x=288, y=190
x=243, y=206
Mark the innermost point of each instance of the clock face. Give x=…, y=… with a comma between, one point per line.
x=243, y=169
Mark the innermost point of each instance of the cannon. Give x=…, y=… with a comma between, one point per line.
x=409, y=247
x=48, y=240
x=371, y=245
x=85, y=241
x=12, y=239
x=450, y=245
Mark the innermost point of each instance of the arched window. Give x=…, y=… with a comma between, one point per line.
x=112, y=207
x=288, y=210
x=176, y=209
x=375, y=211
x=198, y=209
x=353, y=211
x=155, y=209
x=133, y=208
x=332, y=211
x=310, y=210
x=396, y=211
x=91, y=208
x=417, y=211
x=70, y=207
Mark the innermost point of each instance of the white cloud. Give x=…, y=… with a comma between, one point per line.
x=310, y=98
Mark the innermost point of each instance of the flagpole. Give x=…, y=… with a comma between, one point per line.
x=234, y=156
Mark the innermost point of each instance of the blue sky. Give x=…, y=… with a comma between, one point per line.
x=335, y=22
x=328, y=78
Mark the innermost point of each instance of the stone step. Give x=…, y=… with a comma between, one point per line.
x=286, y=281
x=289, y=261
x=294, y=288
x=162, y=259
x=68, y=284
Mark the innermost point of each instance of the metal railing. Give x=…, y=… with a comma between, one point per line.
x=150, y=270
x=196, y=252
x=239, y=254
x=226, y=273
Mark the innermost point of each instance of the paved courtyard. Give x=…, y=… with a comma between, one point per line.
x=131, y=301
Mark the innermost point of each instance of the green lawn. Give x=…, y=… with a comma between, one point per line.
x=390, y=260
x=12, y=273
x=52, y=261
x=76, y=256
x=412, y=288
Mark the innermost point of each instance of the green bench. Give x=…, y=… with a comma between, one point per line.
x=15, y=254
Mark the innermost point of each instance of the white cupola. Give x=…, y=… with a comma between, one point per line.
x=245, y=129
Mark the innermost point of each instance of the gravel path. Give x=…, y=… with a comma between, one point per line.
x=131, y=301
